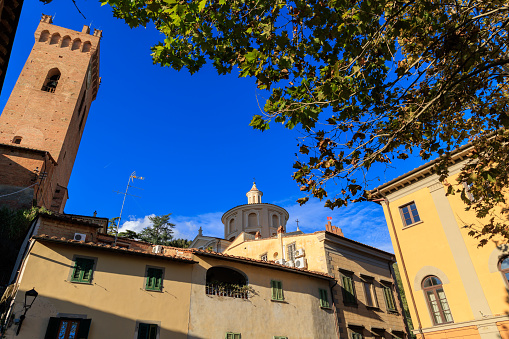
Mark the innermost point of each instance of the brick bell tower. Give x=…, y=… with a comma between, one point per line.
x=43, y=120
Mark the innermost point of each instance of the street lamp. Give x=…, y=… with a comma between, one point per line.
x=30, y=297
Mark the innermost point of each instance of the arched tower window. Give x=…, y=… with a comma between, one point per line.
x=66, y=42
x=437, y=302
x=16, y=140
x=87, y=46
x=76, y=44
x=275, y=221
x=51, y=82
x=226, y=282
x=44, y=36
x=55, y=38
x=231, y=225
x=503, y=266
x=252, y=220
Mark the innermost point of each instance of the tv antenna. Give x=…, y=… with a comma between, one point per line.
x=131, y=178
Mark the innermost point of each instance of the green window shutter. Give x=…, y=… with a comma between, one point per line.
x=389, y=298
x=324, y=298
x=152, y=331
x=348, y=290
x=83, y=329
x=154, y=279
x=143, y=330
x=82, y=270
x=276, y=290
x=231, y=335
x=52, y=329
x=356, y=335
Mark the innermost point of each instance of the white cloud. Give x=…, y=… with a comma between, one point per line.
x=186, y=227
x=363, y=222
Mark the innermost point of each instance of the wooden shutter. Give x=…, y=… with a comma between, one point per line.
x=389, y=300
x=348, y=290
x=152, y=332
x=83, y=329
x=88, y=265
x=143, y=330
x=273, y=289
x=52, y=330
x=324, y=299
x=279, y=285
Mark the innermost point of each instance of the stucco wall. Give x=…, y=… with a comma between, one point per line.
x=298, y=316
x=114, y=300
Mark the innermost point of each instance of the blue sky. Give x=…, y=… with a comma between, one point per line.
x=189, y=136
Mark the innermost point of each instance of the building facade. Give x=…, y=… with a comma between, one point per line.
x=89, y=288
x=364, y=294
x=454, y=288
x=43, y=121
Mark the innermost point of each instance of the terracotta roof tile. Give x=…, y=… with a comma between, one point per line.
x=262, y=262
x=62, y=240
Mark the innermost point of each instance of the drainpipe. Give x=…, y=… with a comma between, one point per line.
x=334, y=308
x=403, y=266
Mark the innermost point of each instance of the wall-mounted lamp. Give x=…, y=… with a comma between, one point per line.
x=30, y=297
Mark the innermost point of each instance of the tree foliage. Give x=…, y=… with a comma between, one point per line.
x=366, y=82
x=112, y=225
x=160, y=233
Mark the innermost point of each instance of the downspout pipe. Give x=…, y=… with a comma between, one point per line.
x=403, y=265
x=336, y=322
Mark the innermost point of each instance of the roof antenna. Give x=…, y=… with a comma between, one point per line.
x=131, y=178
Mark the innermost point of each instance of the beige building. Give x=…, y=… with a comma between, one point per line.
x=454, y=288
x=365, y=298
x=89, y=288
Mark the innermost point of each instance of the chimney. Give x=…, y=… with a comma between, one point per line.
x=258, y=235
x=98, y=33
x=200, y=232
x=85, y=29
x=95, y=214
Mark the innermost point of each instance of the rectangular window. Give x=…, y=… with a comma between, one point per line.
x=291, y=251
x=231, y=335
x=370, y=294
x=277, y=289
x=349, y=297
x=279, y=337
x=389, y=298
x=264, y=257
x=67, y=328
x=409, y=214
x=82, y=270
x=324, y=298
x=147, y=331
x=154, y=279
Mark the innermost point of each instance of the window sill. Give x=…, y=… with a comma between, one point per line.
x=149, y=290
x=393, y=312
x=81, y=282
x=326, y=307
x=412, y=225
x=374, y=308
x=279, y=301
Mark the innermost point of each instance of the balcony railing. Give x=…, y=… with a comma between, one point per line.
x=226, y=291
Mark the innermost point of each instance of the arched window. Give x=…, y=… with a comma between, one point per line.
x=275, y=221
x=231, y=225
x=66, y=42
x=44, y=36
x=76, y=44
x=55, y=38
x=226, y=282
x=437, y=302
x=503, y=266
x=87, y=46
x=252, y=220
x=51, y=82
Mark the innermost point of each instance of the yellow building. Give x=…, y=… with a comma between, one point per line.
x=454, y=288
x=365, y=298
x=88, y=287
